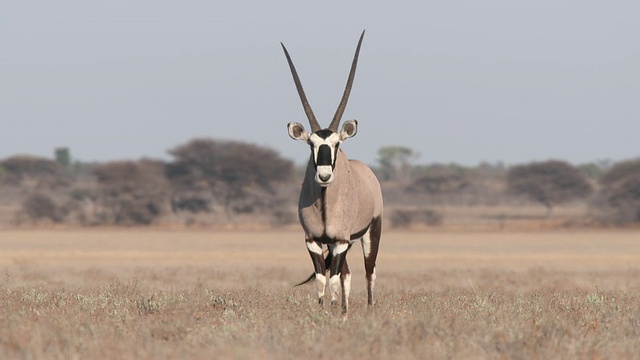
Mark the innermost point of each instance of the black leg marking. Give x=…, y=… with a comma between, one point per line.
x=327, y=265
x=315, y=251
x=340, y=250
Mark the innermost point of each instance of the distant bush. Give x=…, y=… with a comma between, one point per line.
x=241, y=177
x=619, y=196
x=191, y=191
x=38, y=207
x=82, y=194
x=624, y=197
x=620, y=171
x=440, y=183
x=34, y=172
x=594, y=170
x=549, y=183
x=451, y=185
x=132, y=192
x=404, y=218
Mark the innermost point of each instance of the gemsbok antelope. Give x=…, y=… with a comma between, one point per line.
x=340, y=200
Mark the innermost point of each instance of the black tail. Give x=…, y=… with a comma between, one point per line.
x=327, y=266
x=313, y=275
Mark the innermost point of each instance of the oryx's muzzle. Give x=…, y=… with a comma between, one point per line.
x=324, y=175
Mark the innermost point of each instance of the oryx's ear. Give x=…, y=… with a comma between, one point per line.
x=349, y=129
x=297, y=131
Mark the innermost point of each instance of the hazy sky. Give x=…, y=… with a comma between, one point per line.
x=457, y=81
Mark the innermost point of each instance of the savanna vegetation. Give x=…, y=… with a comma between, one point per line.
x=214, y=182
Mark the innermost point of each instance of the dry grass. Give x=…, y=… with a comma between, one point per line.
x=188, y=294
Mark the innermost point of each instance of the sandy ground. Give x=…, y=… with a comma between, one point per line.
x=607, y=259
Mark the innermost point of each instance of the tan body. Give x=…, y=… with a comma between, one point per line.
x=344, y=208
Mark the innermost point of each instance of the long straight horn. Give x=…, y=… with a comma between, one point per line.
x=305, y=103
x=347, y=90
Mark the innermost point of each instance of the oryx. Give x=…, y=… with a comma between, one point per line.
x=340, y=200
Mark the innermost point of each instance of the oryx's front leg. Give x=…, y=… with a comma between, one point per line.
x=339, y=253
x=315, y=250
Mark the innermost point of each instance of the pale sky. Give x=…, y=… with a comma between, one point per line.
x=456, y=81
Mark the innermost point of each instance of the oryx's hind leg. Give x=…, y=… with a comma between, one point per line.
x=370, y=243
x=345, y=280
x=315, y=251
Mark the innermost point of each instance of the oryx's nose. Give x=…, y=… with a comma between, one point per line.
x=324, y=177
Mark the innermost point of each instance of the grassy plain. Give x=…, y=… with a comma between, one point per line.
x=162, y=293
